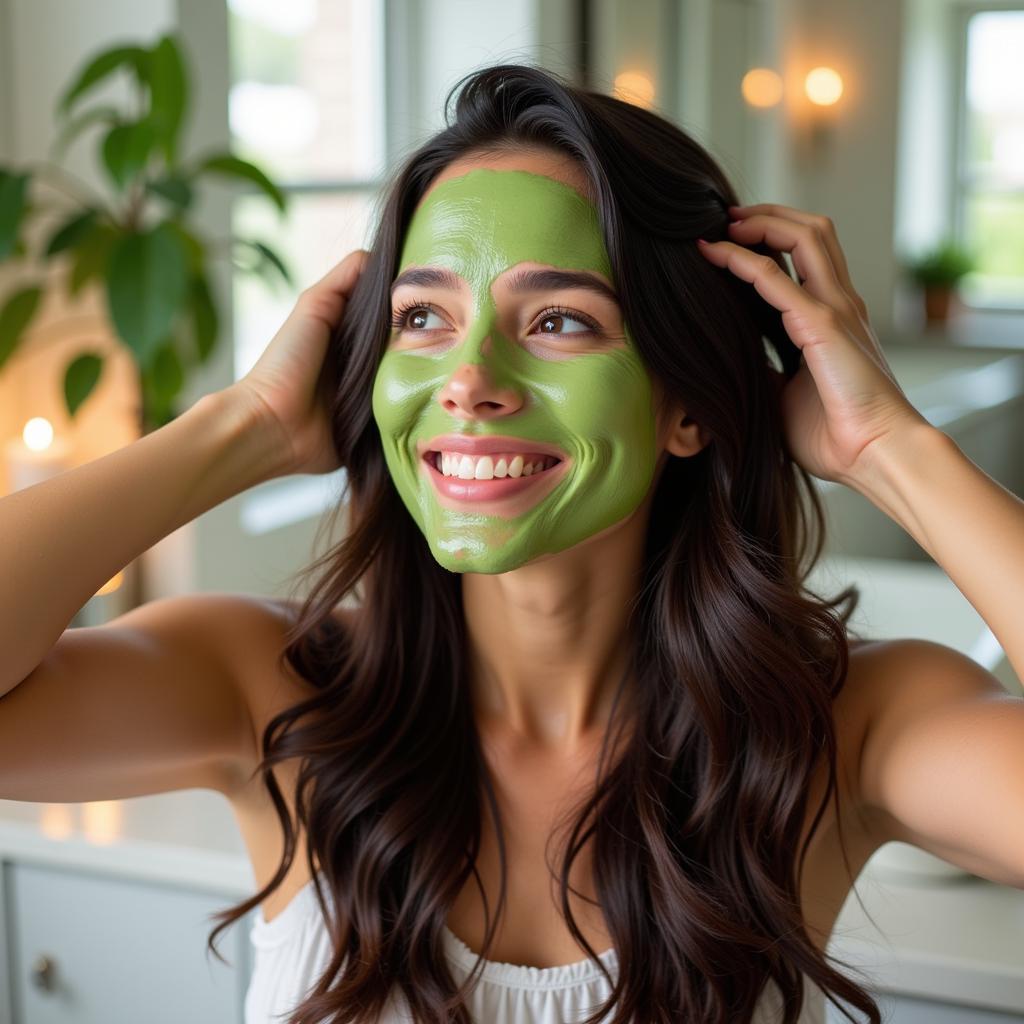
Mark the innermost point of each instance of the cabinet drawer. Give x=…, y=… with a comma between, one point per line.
x=92, y=949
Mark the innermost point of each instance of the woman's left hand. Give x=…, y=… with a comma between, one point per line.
x=843, y=401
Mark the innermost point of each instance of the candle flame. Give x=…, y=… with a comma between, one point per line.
x=102, y=821
x=38, y=434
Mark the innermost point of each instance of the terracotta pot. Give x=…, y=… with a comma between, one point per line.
x=938, y=300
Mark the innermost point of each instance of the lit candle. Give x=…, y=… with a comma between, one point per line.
x=36, y=456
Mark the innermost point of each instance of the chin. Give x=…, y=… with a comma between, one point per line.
x=488, y=559
x=487, y=564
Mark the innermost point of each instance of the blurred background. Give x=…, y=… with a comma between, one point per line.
x=249, y=151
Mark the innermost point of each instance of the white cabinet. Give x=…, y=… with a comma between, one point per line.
x=88, y=948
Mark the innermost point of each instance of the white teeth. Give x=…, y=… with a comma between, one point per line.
x=484, y=467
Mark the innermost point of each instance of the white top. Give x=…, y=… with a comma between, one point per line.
x=293, y=950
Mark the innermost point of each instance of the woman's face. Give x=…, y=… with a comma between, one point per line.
x=529, y=369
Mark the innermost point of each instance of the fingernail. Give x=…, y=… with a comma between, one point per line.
x=703, y=241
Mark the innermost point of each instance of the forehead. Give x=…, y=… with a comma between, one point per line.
x=483, y=222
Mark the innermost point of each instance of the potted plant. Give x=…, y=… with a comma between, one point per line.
x=138, y=242
x=938, y=271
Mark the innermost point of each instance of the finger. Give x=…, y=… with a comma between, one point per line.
x=325, y=300
x=810, y=257
x=805, y=245
x=830, y=238
x=343, y=275
x=808, y=321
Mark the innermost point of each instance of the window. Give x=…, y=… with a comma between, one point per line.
x=307, y=105
x=989, y=187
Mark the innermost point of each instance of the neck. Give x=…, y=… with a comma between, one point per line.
x=549, y=643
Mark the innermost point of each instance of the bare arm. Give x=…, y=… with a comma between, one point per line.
x=165, y=696
x=62, y=539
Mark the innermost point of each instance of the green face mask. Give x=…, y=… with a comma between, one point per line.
x=588, y=395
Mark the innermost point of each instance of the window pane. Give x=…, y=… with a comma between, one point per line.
x=319, y=232
x=993, y=211
x=994, y=228
x=307, y=97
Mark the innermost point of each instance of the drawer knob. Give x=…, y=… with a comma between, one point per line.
x=44, y=973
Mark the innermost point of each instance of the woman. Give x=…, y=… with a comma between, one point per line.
x=583, y=700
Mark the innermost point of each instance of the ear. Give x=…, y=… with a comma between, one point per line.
x=682, y=435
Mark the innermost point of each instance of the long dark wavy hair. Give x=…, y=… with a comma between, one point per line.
x=736, y=662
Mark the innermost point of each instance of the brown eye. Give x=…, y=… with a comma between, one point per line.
x=413, y=317
x=554, y=323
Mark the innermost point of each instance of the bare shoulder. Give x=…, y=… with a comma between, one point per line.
x=265, y=679
x=894, y=681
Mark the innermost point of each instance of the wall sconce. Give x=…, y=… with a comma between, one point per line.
x=823, y=87
x=762, y=88
x=636, y=87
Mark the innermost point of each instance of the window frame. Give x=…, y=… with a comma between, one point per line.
x=958, y=140
x=301, y=499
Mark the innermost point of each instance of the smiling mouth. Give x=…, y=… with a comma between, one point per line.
x=497, y=466
x=492, y=477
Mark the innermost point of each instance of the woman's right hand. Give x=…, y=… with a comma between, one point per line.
x=284, y=384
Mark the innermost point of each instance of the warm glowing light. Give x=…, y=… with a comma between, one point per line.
x=111, y=585
x=823, y=86
x=101, y=821
x=55, y=821
x=762, y=87
x=634, y=87
x=38, y=434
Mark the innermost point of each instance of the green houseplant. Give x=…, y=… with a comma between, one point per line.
x=937, y=272
x=137, y=243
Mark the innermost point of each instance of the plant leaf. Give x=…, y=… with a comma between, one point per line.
x=92, y=256
x=203, y=316
x=102, y=65
x=168, y=83
x=173, y=188
x=274, y=260
x=13, y=186
x=194, y=246
x=126, y=149
x=233, y=167
x=265, y=260
x=80, y=377
x=162, y=380
x=15, y=316
x=73, y=231
x=146, y=287
x=74, y=127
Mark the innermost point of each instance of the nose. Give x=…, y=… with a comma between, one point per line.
x=471, y=394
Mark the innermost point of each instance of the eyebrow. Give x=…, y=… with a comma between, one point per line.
x=522, y=281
